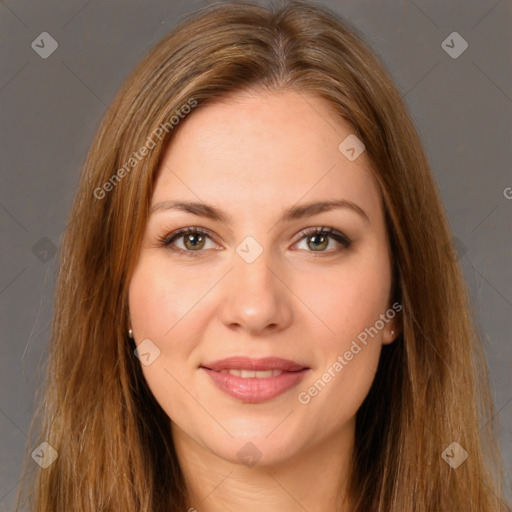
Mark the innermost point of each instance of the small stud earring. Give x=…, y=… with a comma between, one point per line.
x=392, y=333
x=130, y=333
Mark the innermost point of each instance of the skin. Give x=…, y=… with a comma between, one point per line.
x=254, y=156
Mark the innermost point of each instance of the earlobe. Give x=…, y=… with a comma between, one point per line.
x=390, y=334
x=129, y=330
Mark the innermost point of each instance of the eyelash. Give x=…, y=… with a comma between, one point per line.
x=167, y=240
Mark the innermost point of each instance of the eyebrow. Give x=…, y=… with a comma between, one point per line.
x=293, y=213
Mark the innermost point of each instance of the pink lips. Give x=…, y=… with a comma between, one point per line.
x=255, y=389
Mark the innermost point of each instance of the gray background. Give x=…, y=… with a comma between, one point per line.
x=52, y=107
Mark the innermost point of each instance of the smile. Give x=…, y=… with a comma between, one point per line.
x=260, y=374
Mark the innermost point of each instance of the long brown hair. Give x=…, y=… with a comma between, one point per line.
x=115, y=451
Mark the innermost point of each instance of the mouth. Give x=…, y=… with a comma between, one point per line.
x=246, y=374
x=255, y=380
x=248, y=364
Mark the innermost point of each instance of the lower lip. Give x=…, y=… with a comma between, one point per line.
x=254, y=390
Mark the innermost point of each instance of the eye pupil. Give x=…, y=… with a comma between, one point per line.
x=322, y=244
x=190, y=238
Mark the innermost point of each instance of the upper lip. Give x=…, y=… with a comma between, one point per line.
x=248, y=363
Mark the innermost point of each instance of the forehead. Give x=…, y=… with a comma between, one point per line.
x=261, y=149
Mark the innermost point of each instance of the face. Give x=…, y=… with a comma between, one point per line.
x=253, y=278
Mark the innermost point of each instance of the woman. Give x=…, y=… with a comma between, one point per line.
x=258, y=307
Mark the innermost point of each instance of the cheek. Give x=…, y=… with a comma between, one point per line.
x=349, y=302
x=347, y=299
x=145, y=302
x=156, y=308
x=157, y=301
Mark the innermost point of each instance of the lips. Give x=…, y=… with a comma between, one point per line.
x=247, y=363
x=255, y=380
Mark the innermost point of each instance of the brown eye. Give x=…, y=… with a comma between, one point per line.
x=318, y=240
x=194, y=240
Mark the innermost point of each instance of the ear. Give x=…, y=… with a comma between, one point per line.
x=391, y=331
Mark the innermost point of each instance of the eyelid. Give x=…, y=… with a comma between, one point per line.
x=331, y=232
x=339, y=236
x=168, y=239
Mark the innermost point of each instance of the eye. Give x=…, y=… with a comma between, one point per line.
x=195, y=238
x=320, y=237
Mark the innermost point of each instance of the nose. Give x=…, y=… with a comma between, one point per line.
x=255, y=296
